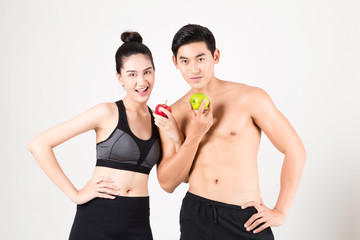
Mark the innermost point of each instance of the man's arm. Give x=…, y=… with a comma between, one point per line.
x=283, y=136
x=176, y=162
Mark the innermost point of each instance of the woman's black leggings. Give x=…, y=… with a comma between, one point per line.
x=109, y=219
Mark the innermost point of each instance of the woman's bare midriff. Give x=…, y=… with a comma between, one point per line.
x=131, y=184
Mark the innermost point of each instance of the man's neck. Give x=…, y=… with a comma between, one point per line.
x=210, y=89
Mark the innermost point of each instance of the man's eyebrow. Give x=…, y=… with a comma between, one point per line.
x=199, y=55
x=147, y=68
x=131, y=71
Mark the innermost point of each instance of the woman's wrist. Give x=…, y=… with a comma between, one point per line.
x=72, y=195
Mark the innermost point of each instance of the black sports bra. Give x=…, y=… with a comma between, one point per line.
x=123, y=150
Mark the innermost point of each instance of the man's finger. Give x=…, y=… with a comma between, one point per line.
x=191, y=110
x=202, y=106
x=262, y=227
x=249, y=204
x=251, y=220
x=255, y=224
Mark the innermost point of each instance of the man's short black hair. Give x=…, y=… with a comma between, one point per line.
x=193, y=33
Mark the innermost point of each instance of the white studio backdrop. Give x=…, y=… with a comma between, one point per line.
x=57, y=60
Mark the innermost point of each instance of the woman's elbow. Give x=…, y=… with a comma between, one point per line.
x=31, y=145
x=34, y=145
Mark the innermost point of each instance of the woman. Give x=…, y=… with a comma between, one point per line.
x=114, y=204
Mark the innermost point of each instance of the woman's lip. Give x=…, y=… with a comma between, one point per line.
x=144, y=92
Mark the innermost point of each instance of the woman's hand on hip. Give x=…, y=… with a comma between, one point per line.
x=97, y=188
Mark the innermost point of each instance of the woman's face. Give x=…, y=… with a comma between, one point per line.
x=137, y=76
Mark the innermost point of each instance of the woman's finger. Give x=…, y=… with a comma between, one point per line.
x=108, y=185
x=160, y=123
x=103, y=179
x=107, y=191
x=167, y=113
x=103, y=195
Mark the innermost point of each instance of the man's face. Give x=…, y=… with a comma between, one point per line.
x=196, y=64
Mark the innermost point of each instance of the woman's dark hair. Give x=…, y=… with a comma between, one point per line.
x=193, y=33
x=132, y=45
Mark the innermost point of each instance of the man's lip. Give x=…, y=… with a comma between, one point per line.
x=195, y=79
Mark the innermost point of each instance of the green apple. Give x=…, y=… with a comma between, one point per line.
x=196, y=100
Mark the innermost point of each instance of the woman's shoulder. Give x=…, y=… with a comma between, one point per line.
x=103, y=110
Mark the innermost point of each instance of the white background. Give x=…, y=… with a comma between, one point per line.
x=57, y=60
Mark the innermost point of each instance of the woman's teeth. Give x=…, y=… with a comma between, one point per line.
x=142, y=89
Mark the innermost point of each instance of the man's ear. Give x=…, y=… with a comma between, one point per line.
x=118, y=76
x=217, y=56
x=174, y=61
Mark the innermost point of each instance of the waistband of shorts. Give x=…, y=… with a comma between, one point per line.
x=122, y=202
x=202, y=200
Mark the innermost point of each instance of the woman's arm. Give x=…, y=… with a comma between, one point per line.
x=42, y=146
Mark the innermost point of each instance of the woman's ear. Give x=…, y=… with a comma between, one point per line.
x=118, y=76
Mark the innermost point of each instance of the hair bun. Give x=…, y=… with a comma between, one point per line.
x=131, y=37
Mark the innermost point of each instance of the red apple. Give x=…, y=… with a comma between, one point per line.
x=159, y=112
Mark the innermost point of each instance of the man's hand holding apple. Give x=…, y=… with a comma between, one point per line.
x=200, y=120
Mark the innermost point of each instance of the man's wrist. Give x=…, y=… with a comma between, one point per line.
x=192, y=140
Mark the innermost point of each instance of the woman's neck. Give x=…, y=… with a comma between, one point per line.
x=135, y=106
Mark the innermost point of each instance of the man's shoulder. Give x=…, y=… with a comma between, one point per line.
x=181, y=102
x=243, y=90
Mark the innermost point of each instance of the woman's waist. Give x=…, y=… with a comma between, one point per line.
x=130, y=183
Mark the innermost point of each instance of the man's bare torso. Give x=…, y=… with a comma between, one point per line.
x=225, y=167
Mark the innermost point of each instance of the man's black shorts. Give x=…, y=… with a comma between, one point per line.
x=205, y=219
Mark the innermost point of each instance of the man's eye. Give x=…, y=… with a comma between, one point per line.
x=148, y=72
x=201, y=59
x=184, y=61
x=132, y=75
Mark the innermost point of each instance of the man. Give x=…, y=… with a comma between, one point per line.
x=218, y=155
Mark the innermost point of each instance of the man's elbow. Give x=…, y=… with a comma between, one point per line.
x=167, y=187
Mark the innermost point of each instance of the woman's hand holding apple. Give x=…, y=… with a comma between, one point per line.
x=168, y=124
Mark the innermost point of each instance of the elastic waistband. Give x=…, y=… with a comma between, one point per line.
x=121, y=202
x=202, y=200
